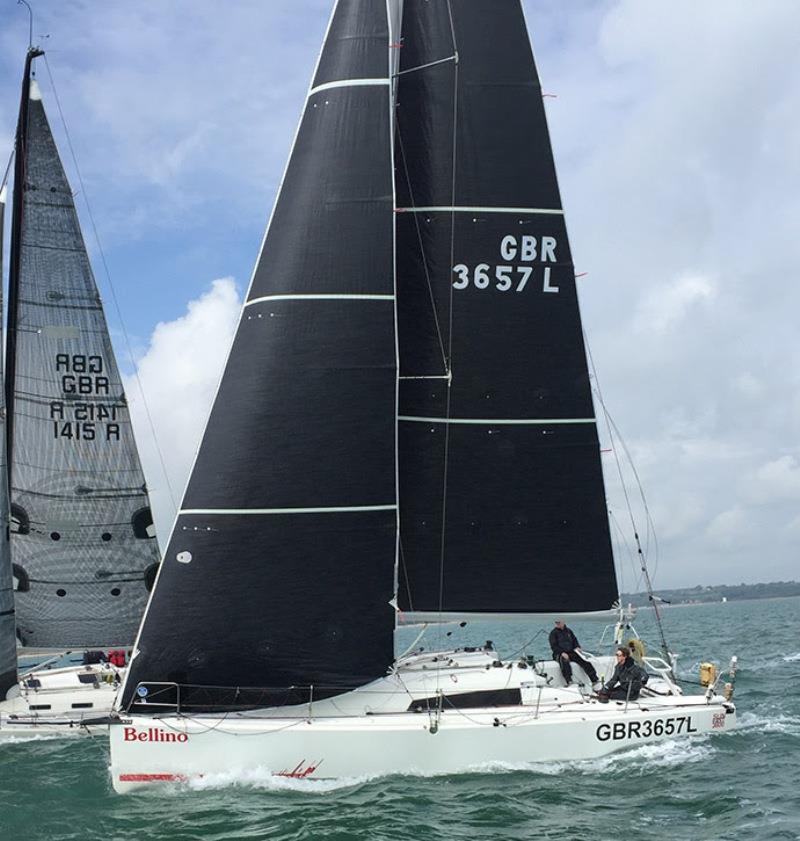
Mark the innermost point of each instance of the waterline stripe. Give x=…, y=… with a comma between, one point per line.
x=348, y=83
x=332, y=297
x=498, y=421
x=287, y=510
x=442, y=209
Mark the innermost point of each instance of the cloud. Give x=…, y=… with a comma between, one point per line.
x=675, y=131
x=776, y=480
x=731, y=528
x=665, y=306
x=179, y=373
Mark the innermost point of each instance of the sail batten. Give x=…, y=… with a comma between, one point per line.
x=334, y=296
x=454, y=209
x=329, y=510
x=498, y=421
x=348, y=83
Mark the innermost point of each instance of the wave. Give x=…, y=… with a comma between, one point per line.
x=786, y=724
x=662, y=754
x=26, y=738
x=791, y=658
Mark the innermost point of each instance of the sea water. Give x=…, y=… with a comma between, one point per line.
x=739, y=785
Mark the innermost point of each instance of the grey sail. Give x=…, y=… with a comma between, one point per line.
x=8, y=646
x=82, y=539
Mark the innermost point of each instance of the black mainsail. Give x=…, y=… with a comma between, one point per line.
x=502, y=503
x=283, y=557
x=280, y=565
x=82, y=539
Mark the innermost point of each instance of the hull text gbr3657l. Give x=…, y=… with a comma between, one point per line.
x=404, y=430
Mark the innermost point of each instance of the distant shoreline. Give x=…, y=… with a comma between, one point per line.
x=701, y=594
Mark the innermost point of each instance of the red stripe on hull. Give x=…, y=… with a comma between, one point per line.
x=152, y=778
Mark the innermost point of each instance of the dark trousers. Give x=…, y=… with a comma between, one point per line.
x=566, y=668
x=621, y=694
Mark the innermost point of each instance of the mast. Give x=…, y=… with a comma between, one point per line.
x=21, y=146
x=8, y=640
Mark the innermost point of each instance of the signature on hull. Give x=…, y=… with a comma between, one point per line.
x=301, y=770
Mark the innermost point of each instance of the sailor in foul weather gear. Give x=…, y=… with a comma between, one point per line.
x=565, y=647
x=626, y=682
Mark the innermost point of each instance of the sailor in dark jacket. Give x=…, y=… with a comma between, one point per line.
x=626, y=682
x=565, y=647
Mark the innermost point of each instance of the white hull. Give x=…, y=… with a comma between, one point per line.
x=61, y=702
x=338, y=738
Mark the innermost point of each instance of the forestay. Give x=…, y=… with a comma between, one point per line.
x=280, y=566
x=502, y=502
x=82, y=535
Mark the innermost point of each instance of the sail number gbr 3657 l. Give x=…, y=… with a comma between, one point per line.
x=526, y=252
x=83, y=414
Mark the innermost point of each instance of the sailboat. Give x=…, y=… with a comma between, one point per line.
x=403, y=433
x=80, y=546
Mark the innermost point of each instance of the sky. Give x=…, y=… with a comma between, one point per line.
x=675, y=127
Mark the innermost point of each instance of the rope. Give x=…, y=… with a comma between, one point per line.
x=111, y=287
x=622, y=541
x=612, y=428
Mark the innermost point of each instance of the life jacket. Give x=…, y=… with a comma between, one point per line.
x=116, y=657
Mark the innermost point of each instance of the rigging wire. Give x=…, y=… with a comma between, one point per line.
x=112, y=288
x=621, y=538
x=642, y=558
x=651, y=530
x=8, y=169
x=524, y=647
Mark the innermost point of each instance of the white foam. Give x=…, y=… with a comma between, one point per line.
x=264, y=779
x=769, y=724
x=791, y=658
x=24, y=738
x=654, y=755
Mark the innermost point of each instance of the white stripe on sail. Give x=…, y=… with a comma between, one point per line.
x=553, y=211
x=331, y=297
x=348, y=83
x=497, y=421
x=334, y=510
x=430, y=617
